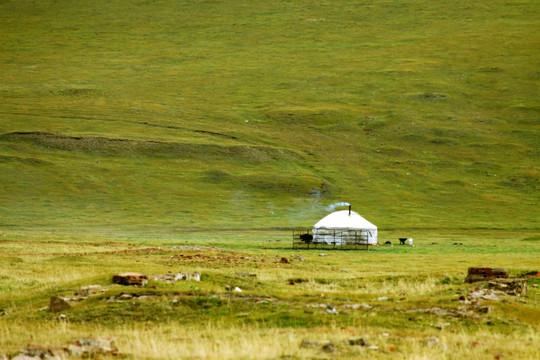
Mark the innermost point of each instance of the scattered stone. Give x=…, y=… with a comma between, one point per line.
x=318, y=305
x=299, y=258
x=382, y=298
x=441, y=325
x=385, y=334
x=484, y=309
x=331, y=310
x=373, y=347
x=125, y=297
x=243, y=315
x=34, y=355
x=90, y=347
x=310, y=344
x=243, y=274
x=462, y=312
x=90, y=290
x=297, y=281
x=516, y=287
x=172, y=277
x=62, y=317
x=130, y=279
x=344, y=271
x=323, y=254
x=39, y=352
x=237, y=289
x=284, y=261
x=363, y=306
x=483, y=294
x=58, y=304
x=475, y=274
x=359, y=342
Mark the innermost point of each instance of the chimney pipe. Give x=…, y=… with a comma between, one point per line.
x=350, y=206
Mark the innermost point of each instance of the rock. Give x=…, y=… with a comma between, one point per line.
x=441, y=325
x=329, y=348
x=90, y=290
x=91, y=347
x=323, y=254
x=309, y=344
x=363, y=306
x=484, y=309
x=331, y=310
x=373, y=347
x=484, y=294
x=382, y=298
x=475, y=274
x=243, y=274
x=514, y=286
x=130, y=279
x=125, y=297
x=58, y=304
x=39, y=352
x=237, y=289
x=172, y=277
x=359, y=342
x=297, y=281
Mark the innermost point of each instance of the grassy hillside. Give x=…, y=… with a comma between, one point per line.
x=154, y=116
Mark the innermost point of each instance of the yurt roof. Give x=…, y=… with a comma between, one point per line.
x=342, y=220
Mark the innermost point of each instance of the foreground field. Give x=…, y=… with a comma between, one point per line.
x=403, y=301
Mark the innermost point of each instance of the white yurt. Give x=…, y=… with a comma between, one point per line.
x=344, y=227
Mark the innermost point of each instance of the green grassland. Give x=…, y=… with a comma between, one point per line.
x=127, y=126
x=158, y=115
x=280, y=307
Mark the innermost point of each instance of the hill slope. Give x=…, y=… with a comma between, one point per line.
x=194, y=114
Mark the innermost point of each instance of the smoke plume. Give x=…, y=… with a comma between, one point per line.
x=335, y=205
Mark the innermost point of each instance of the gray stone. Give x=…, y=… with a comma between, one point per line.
x=329, y=348
x=91, y=347
x=58, y=304
x=359, y=342
x=310, y=344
